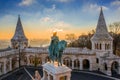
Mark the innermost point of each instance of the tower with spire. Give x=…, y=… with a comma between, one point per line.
x=102, y=41
x=19, y=39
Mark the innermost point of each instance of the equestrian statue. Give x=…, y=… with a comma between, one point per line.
x=56, y=49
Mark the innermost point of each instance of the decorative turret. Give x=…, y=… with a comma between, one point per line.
x=101, y=40
x=19, y=38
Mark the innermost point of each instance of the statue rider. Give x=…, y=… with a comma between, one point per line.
x=54, y=46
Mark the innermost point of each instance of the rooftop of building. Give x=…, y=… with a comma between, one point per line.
x=23, y=74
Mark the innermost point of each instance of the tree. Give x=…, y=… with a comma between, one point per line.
x=115, y=27
x=70, y=37
x=83, y=40
x=114, y=31
x=36, y=62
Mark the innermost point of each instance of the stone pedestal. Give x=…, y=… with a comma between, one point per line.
x=54, y=72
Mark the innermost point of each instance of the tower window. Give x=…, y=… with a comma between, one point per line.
x=97, y=60
x=100, y=46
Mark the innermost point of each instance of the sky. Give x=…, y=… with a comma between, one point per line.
x=41, y=17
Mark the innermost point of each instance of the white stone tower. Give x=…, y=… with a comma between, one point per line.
x=102, y=41
x=19, y=38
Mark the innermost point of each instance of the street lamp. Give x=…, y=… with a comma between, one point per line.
x=19, y=43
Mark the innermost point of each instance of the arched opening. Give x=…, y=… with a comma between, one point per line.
x=31, y=58
x=1, y=67
x=86, y=64
x=14, y=62
x=7, y=65
x=108, y=46
x=63, y=78
x=23, y=60
x=39, y=61
x=67, y=61
x=115, y=68
x=100, y=46
x=105, y=46
x=97, y=46
x=76, y=64
x=97, y=60
x=105, y=66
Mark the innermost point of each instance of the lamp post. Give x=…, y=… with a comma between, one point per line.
x=19, y=43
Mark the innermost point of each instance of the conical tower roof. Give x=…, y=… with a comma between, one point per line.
x=101, y=30
x=19, y=32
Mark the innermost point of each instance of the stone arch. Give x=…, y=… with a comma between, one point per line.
x=31, y=59
x=108, y=46
x=24, y=60
x=76, y=64
x=1, y=67
x=7, y=65
x=105, y=46
x=97, y=46
x=40, y=61
x=67, y=61
x=105, y=66
x=115, y=67
x=86, y=64
x=97, y=60
x=100, y=46
x=14, y=62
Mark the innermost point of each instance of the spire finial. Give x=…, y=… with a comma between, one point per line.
x=101, y=8
x=18, y=15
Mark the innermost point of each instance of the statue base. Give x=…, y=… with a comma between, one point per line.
x=54, y=72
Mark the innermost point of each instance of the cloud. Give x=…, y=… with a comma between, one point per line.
x=53, y=6
x=51, y=9
x=115, y=3
x=60, y=26
x=93, y=8
x=46, y=19
x=26, y=2
x=7, y=19
x=62, y=1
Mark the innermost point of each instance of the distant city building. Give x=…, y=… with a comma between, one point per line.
x=100, y=57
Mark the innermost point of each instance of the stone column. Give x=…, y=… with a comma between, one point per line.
x=109, y=71
x=55, y=78
x=119, y=69
x=43, y=60
x=28, y=61
x=4, y=68
x=103, y=46
x=72, y=64
x=17, y=63
x=111, y=46
x=68, y=77
x=45, y=77
x=10, y=64
x=93, y=45
x=48, y=76
x=90, y=66
x=81, y=65
x=0, y=68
